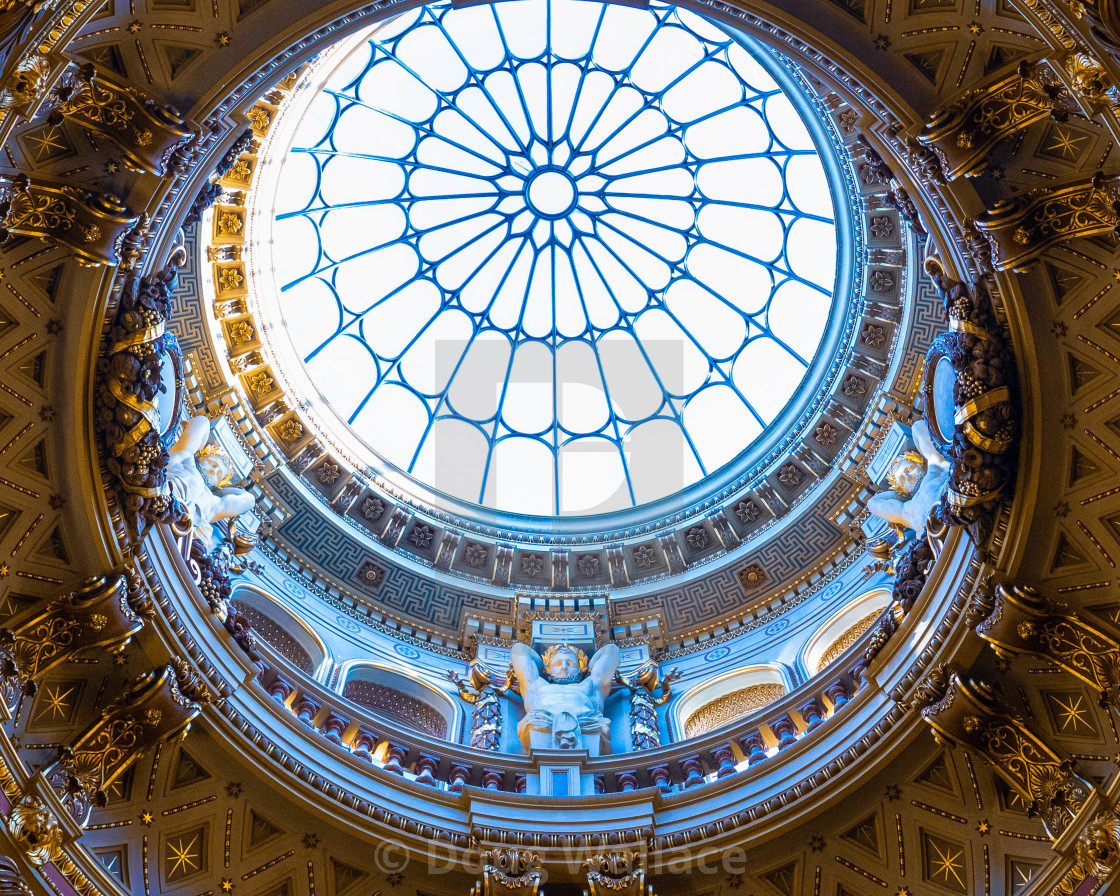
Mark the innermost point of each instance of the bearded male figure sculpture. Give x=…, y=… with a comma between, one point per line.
x=564, y=709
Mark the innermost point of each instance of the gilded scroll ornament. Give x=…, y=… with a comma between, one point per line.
x=1016, y=231
x=965, y=132
x=97, y=615
x=92, y=225
x=148, y=134
x=970, y=713
x=1020, y=620
x=158, y=707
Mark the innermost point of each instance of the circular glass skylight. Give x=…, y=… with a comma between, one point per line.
x=554, y=256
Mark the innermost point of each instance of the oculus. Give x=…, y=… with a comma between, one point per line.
x=552, y=257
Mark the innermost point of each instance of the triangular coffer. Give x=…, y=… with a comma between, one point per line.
x=345, y=875
x=783, y=879
x=53, y=548
x=260, y=830
x=187, y=771
x=1001, y=56
x=47, y=279
x=1063, y=280
x=928, y=62
x=1081, y=467
x=1067, y=556
x=34, y=459
x=938, y=776
x=1081, y=372
x=178, y=57
x=866, y=835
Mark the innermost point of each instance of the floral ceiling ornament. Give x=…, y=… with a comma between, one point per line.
x=873, y=335
x=881, y=281
x=588, y=565
x=790, y=475
x=644, y=556
x=422, y=535
x=752, y=577
x=373, y=508
x=854, y=386
x=291, y=430
x=698, y=538
x=328, y=473
x=881, y=226
x=475, y=554
x=826, y=434
x=531, y=565
x=747, y=511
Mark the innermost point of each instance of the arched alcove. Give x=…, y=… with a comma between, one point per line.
x=731, y=696
x=284, y=632
x=402, y=699
x=843, y=629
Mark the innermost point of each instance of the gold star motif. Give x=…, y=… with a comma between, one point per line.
x=146, y=818
x=975, y=27
x=4, y=570
x=227, y=885
x=1072, y=714
x=134, y=26
x=222, y=39
x=182, y=856
x=947, y=863
x=1066, y=143
x=55, y=702
x=47, y=142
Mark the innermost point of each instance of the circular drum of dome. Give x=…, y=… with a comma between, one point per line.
x=555, y=257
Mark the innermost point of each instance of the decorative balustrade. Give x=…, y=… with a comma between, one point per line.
x=724, y=751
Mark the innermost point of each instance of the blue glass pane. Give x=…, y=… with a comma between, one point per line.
x=555, y=256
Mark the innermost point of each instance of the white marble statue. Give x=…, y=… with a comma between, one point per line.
x=918, y=479
x=204, y=504
x=564, y=709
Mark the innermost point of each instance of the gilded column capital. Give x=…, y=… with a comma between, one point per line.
x=509, y=872
x=619, y=872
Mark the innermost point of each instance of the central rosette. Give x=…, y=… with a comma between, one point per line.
x=553, y=256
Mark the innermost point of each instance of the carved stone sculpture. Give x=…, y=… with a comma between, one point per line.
x=130, y=378
x=35, y=830
x=509, y=872
x=205, y=505
x=479, y=689
x=564, y=709
x=981, y=436
x=645, y=733
x=918, y=481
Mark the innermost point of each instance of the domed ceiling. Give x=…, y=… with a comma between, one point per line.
x=510, y=325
